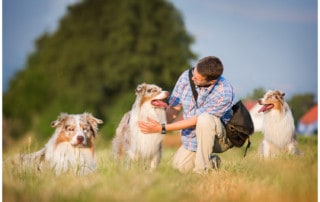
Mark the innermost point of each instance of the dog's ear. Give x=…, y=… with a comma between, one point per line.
x=61, y=118
x=280, y=93
x=141, y=88
x=93, y=121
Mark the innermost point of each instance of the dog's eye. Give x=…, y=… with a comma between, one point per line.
x=70, y=129
x=86, y=129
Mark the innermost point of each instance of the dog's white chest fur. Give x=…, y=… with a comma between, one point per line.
x=278, y=127
x=142, y=145
x=64, y=157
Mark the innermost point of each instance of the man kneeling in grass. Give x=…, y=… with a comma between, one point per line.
x=205, y=112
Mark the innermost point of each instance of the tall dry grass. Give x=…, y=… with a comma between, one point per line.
x=287, y=178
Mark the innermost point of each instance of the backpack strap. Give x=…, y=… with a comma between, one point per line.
x=193, y=87
x=247, y=147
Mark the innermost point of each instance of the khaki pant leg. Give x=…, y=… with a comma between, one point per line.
x=183, y=160
x=211, y=137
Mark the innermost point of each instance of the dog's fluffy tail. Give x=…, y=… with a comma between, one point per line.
x=121, y=140
x=32, y=159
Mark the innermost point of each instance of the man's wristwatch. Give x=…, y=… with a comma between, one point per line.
x=163, y=131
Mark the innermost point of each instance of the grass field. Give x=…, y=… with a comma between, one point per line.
x=287, y=178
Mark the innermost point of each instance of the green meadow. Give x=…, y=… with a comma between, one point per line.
x=250, y=178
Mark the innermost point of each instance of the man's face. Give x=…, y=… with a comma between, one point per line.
x=200, y=80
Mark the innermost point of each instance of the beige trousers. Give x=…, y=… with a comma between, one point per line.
x=211, y=138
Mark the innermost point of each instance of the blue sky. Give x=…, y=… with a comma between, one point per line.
x=23, y=23
x=270, y=44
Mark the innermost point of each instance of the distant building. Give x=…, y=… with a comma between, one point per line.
x=308, y=124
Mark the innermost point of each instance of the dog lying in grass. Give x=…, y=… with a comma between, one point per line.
x=71, y=147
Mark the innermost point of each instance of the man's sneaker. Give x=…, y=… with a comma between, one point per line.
x=215, y=161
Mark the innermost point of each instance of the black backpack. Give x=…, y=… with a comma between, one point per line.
x=240, y=126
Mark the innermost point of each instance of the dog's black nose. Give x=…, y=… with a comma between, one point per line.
x=80, y=139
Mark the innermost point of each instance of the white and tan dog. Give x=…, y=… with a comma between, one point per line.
x=71, y=147
x=129, y=141
x=278, y=126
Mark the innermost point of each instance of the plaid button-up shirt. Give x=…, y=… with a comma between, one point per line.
x=215, y=100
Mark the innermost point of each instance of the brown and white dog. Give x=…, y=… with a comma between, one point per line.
x=71, y=147
x=129, y=141
x=278, y=126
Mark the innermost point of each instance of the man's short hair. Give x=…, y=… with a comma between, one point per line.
x=210, y=67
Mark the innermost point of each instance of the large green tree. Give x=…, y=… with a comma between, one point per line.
x=100, y=51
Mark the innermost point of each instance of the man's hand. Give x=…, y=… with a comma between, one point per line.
x=152, y=126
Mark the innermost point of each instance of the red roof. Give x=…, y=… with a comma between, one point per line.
x=249, y=104
x=310, y=116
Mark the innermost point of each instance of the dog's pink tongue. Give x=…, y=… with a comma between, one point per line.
x=159, y=103
x=265, y=107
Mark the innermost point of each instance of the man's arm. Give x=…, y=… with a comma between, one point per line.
x=172, y=113
x=153, y=126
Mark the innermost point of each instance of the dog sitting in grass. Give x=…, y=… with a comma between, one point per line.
x=278, y=126
x=129, y=142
